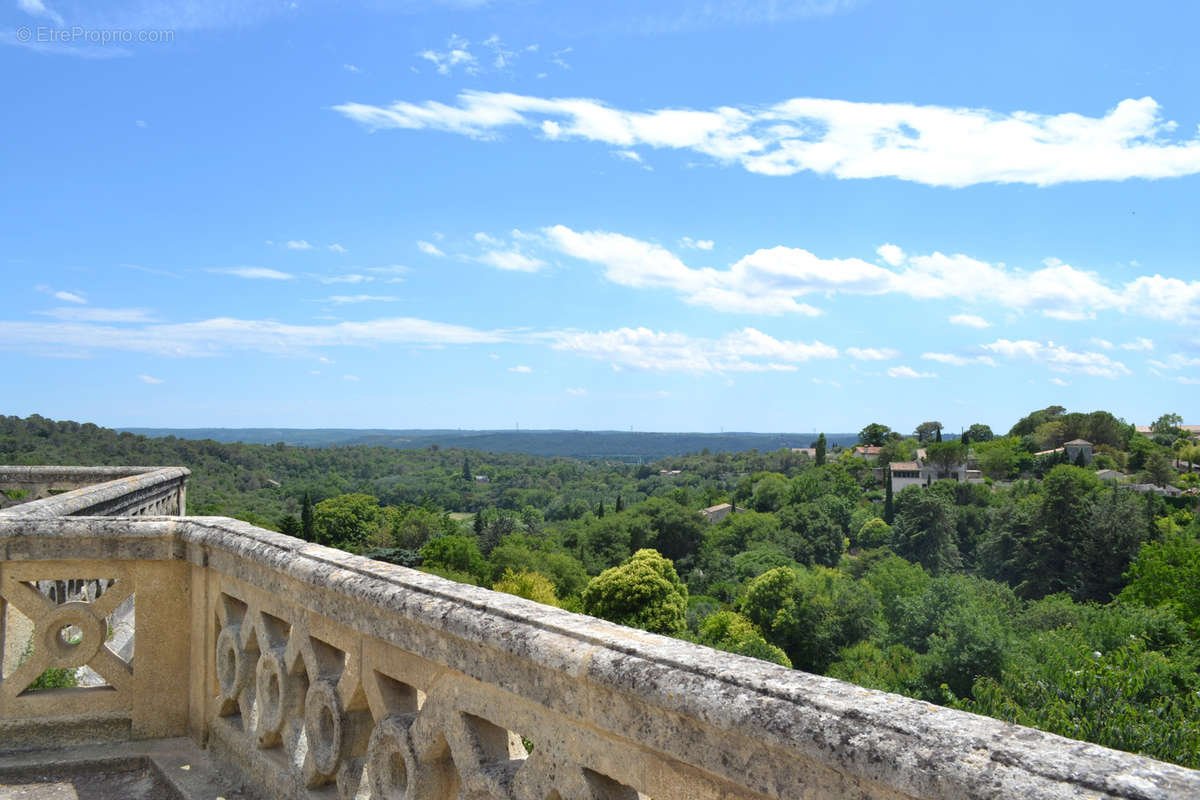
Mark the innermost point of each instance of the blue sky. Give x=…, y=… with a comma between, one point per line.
x=678, y=216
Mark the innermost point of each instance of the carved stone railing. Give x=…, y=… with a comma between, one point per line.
x=92, y=491
x=317, y=673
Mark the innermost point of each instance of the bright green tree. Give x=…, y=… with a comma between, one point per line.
x=644, y=592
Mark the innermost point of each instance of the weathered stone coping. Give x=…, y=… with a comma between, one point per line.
x=123, y=488
x=905, y=747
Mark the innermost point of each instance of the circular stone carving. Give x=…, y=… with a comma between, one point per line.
x=72, y=635
x=233, y=664
x=390, y=760
x=274, y=691
x=323, y=722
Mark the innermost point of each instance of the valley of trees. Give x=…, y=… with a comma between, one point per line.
x=1044, y=595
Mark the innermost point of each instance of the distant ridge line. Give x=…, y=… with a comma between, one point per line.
x=539, y=442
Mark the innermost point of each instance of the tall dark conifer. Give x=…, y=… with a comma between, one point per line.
x=307, y=530
x=820, y=447
x=889, y=508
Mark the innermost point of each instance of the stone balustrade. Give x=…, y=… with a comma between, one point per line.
x=317, y=673
x=92, y=491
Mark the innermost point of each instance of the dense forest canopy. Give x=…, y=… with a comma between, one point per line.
x=1043, y=592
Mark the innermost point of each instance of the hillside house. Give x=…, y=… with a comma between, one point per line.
x=720, y=511
x=1073, y=450
x=869, y=452
x=923, y=473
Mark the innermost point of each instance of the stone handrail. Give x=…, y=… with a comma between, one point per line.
x=95, y=491
x=320, y=673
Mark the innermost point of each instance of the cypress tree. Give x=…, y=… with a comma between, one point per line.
x=889, y=510
x=466, y=469
x=619, y=507
x=307, y=531
x=820, y=446
x=938, y=435
x=600, y=509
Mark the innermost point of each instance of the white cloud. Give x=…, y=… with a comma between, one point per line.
x=297, y=244
x=576, y=392
x=255, y=273
x=1140, y=343
x=345, y=299
x=628, y=155
x=37, y=8
x=934, y=145
x=224, y=335
x=391, y=269
x=511, y=260
x=1060, y=382
x=957, y=360
x=891, y=254
x=351, y=68
x=149, y=379
x=696, y=244
x=1058, y=357
x=1188, y=381
x=141, y=123
x=430, y=249
x=1104, y=343
x=351, y=378
x=747, y=350
x=337, y=248
x=456, y=54
x=872, y=353
x=970, y=321
x=521, y=368
x=903, y=371
x=70, y=297
x=99, y=314
x=325, y=360
x=827, y=382
x=771, y=280
x=352, y=277
x=1177, y=361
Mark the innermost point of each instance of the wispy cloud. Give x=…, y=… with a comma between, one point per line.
x=70, y=297
x=352, y=277
x=99, y=314
x=351, y=378
x=696, y=244
x=747, y=350
x=151, y=270
x=907, y=372
x=336, y=248
x=457, y=54
x=37, y=8
x=872, y=353
x=346, y=299
x=958, y=361
x=255, y=273
x=149, y=379
x=934, y=145
x=297, y=244
x=224, y=335
x=576, y=391
x=521, y=368
x=969, y=320
x=430, y=249
x=1140, y=343
x=1058, y=358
